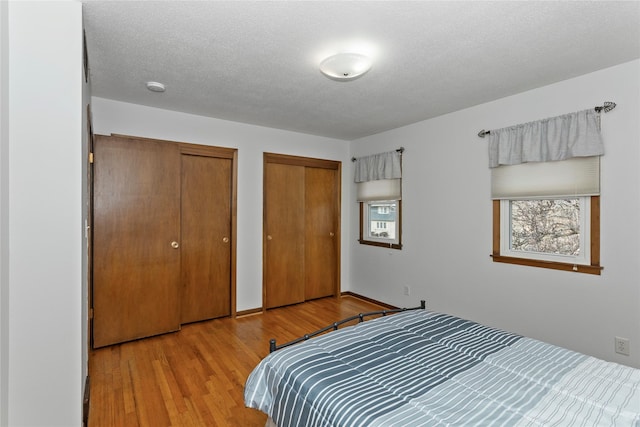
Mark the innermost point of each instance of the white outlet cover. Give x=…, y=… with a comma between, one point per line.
x=622, y=346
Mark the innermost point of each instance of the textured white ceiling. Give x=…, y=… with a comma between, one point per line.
x=257, y=62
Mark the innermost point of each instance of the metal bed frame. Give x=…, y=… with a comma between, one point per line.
x=334, y=326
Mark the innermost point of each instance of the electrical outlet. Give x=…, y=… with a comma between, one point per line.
x=407, y=290
x=622, y=346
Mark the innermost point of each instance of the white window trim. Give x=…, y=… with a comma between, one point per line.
x=367, y=232
x=585, y=237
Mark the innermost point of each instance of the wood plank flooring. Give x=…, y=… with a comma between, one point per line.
x=195, y=377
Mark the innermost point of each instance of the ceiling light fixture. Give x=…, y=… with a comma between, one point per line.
x=155, y=87
x=345, y=66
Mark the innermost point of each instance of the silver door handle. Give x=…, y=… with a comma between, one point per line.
x=175, y=245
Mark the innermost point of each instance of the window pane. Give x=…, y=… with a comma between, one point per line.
x=382, y=220
x=546, y=226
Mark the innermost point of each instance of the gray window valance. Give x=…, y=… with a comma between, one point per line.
x=378, y=166
x=557, y=138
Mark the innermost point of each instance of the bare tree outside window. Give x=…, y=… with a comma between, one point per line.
x=546, y=226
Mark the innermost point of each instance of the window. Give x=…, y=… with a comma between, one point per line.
x=534, y=233
x=545, y=186
x=548, y=227
x=378, y=179
x=380, y=223
x=383, y=209
x=534, y=228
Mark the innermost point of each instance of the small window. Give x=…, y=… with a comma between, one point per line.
x=383, y=209
x=380, y=223
x=378, y=179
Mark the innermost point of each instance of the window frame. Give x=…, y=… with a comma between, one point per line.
x=506, y=222
x=592, y=265
x=381, y=241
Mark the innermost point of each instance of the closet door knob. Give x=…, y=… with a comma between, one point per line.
x=331, y=234
x=225, y=239
x=269, y=237
x=175, y=245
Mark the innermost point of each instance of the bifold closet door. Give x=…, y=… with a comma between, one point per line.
x=136, y=229
x=206, y=237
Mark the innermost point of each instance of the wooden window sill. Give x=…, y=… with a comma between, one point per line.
x=576, y=268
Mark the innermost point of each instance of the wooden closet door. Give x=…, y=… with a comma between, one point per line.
x=136, y=264
x=301, y=226
x=206, y=237
x=284, y=234
x=320, y=232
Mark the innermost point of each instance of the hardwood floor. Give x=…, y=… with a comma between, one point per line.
x=195, y=377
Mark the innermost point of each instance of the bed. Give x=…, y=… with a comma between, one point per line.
x=422, y=368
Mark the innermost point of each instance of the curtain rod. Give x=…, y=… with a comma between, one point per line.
x=608, y=106
x=399, y=150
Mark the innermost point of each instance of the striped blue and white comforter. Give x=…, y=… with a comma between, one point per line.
x=420, y=368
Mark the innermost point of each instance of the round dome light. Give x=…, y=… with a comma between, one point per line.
x=345, y=66
x=155, y=87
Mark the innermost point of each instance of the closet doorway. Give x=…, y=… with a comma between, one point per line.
x=301, y=242
x=163, y=236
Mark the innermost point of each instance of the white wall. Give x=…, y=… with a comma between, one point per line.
x=447, y=233
x=251, y=141
x=44, y=215
x=4, y=212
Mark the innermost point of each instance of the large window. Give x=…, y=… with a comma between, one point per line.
x=545, y=186
x=563, y=234
x=548, y=227
x=535, y=225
